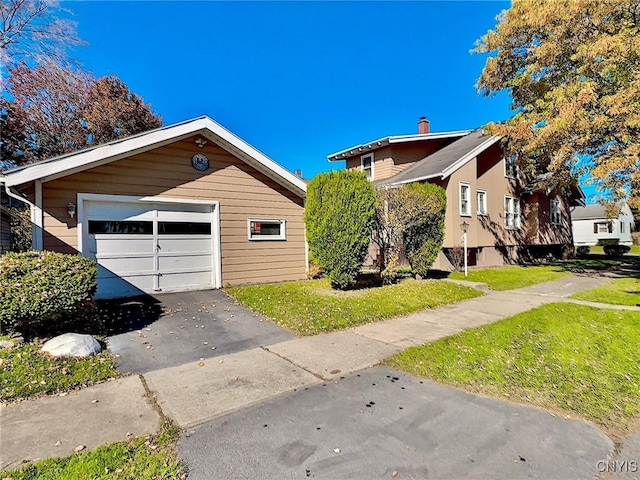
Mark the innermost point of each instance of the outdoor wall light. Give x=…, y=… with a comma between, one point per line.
x=71, y=209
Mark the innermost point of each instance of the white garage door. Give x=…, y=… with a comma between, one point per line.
x=150, y=247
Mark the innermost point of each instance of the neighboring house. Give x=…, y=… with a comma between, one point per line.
x=510, y=220
x=184, y=207
x=591, y=224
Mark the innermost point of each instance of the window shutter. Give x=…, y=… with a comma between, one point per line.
x=595, y=227
x=610, y=227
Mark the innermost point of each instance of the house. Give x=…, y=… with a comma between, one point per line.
x=188, y=206
x=509, y=219
x=591, y=223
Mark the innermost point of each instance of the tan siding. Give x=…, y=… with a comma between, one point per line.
x=242, y=191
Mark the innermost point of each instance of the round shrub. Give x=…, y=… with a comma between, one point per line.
x=583, y=251
x=338, y=216
x=39, y=288
x=616, y=250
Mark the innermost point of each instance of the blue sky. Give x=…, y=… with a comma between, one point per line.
x=298, y=80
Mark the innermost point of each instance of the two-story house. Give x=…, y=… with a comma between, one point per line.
x=509, y=219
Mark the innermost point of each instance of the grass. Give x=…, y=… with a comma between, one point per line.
x=149, y=457
x=312, y=306
x=25, y=372
x=560, y=356
x=513, y=276
x=624, y=291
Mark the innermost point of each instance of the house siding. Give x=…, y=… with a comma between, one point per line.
x=242, y=191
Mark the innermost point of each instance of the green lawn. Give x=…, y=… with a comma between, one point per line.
x=559, y=356
x=25, y=372
x=513, y=276
x=150, y=457
x=624, y=291
x=312, y=306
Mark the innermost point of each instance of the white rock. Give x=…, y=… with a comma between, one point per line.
x=73, y=345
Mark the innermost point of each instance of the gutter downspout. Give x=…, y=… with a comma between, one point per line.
x=36, y=213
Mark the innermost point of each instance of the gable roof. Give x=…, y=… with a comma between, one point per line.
x=597, y=211
x=382, y=142
x=75, y=162
x=447, y=160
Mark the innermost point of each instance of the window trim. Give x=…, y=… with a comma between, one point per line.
x=468, y=212
x=552, y=202
x=281, y=237
x=517, y=213
x=486, y=207
x=362, y=158
x=512, y=158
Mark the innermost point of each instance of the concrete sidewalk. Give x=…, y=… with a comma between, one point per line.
x=197, y=392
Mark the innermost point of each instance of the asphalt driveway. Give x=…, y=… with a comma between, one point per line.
x=188, y=327
x=383, y=424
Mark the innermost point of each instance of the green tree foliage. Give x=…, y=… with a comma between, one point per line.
x=38, y=288
x=339, y=214
x=411, y=216
x=423, y=237
x=572, y=68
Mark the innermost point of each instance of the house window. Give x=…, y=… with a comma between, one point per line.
x=510, y=167
x=556, y=213
x=602, y=227
x=482, y=202
x=261, y=229
x=366, y=165
x=465, y=199
x=512, y=212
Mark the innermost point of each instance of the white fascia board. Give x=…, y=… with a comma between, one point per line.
x=469, y=156
x=102, y=155
x=349, y=152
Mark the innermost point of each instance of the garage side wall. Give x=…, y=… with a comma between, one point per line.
x=242, y=191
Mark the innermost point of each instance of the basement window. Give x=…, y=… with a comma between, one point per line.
x=267, y=229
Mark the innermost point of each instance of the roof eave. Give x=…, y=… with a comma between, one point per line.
x=101, y=155
x=364, y=148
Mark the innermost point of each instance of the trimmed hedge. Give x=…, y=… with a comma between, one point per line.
x=583, y=250
x=339, y=215
x=39, y=288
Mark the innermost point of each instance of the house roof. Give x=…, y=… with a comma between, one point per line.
x=591, y=211
x=382, y=142
x=447, y=160
x=75, y=162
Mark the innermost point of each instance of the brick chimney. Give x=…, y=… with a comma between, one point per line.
x=423, y=125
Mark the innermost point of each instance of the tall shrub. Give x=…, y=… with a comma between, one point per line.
x=424, y=236
x=338, y=215
x=39, y=288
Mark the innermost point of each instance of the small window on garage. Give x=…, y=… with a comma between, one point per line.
x=115, y=227
x=184, y=228
x=267, y=229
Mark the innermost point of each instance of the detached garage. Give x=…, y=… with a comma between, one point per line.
x=189, y=206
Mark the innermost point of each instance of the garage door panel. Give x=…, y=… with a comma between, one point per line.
x=185, y=245
x=184, y=263
x=110, y=245
x=183, y=281
x=117, y=211
x=129, y=265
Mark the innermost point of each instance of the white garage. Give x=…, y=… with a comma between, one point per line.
x=147, y=245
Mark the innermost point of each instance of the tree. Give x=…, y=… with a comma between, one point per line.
x=55, y=109
x=572, y=68
x=33, y=29
x=410, y=216
x=423, y=237
x=338, y=216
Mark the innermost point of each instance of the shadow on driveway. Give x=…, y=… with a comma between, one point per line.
x=172, y=329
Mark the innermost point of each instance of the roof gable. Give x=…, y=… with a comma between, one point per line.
x=75, y=162
x=447, y=160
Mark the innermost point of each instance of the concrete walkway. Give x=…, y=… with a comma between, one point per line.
x=199, y=391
